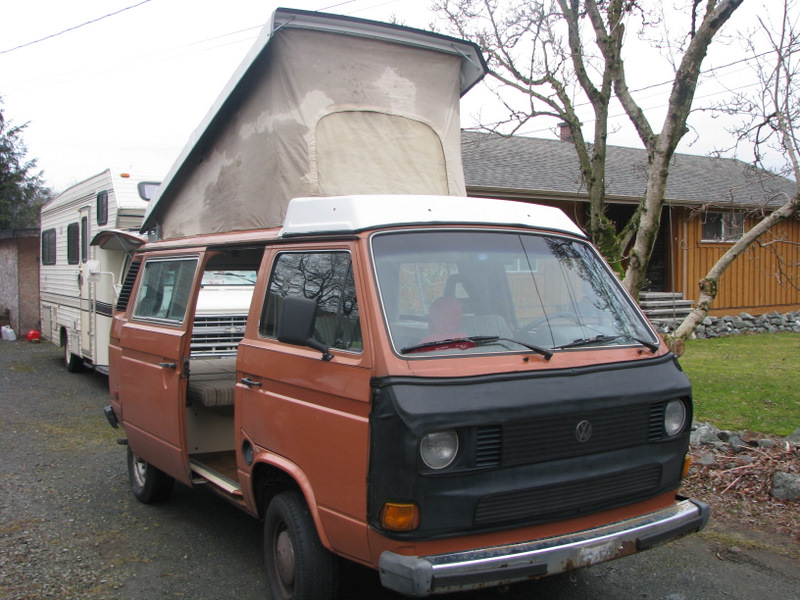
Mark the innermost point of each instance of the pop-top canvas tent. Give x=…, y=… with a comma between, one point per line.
x=322, y=105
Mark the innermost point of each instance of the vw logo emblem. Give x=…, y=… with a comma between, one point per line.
x=583, y=431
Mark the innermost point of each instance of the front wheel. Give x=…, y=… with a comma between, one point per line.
x=298, y=565
x=149, y=484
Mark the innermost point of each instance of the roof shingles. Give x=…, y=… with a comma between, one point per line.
x=551, y=166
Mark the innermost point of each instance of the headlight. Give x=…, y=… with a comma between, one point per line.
x=674, y=417
x=439, y=448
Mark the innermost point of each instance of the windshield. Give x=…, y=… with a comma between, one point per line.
x=500, y=292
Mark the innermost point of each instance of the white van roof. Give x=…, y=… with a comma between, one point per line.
x=343, y=214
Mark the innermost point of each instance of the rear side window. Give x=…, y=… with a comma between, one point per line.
x=49, y=247
x=165, y=288
x=327, y=277
x=127, y=285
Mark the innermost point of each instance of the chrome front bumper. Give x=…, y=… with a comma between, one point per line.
x=484, y=567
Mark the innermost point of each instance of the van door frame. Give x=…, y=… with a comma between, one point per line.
x=153, y=376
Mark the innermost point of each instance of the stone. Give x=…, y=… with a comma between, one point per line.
x=705, y=434
x=785, y=486
x=725, y=435
x=794, y=437
x=707, y=459
x=752, y=437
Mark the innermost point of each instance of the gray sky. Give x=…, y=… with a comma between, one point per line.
x=126, y=91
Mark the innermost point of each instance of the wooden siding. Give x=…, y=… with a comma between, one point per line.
x=754, y=282
x=751, y=284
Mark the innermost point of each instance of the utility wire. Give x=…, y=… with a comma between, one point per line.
x=52, y=35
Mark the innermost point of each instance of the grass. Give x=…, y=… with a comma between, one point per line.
x=746, y=382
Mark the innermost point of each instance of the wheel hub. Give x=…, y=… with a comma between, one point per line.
x=284, y=558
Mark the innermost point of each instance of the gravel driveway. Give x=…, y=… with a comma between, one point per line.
x=70, y=527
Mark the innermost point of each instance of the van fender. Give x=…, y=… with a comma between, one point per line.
x=296, y=474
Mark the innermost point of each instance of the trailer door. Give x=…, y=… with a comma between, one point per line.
x=87, y=288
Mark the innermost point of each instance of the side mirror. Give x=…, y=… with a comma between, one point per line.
x=296, y=324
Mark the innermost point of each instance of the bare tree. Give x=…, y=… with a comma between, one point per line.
x=771, y=117
x=536, y=49
x=539, y=47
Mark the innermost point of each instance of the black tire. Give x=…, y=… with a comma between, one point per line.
x=73, y=362
x=149, y=484
x=298, y=565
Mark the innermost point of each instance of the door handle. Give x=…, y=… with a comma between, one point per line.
x=168, y=365
x=250, y=383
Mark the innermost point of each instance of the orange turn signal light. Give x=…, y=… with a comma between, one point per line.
x=687, y=463
x=396, y=516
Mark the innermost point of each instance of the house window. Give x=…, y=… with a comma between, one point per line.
x=49, y=247
x=102, y=208
x=73, y=244
x=723, y=227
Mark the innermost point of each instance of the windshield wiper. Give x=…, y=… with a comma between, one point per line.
x=478, y=340
x=602, y=338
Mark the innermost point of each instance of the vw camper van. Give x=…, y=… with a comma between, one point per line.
x=456, y=392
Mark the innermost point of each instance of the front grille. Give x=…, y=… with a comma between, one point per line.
x=568, y=499
x=656, y=424
x=552, y=438
x=489, y=446
x=217, y=335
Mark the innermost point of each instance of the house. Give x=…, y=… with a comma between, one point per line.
x=19, y=279
x=709, y=202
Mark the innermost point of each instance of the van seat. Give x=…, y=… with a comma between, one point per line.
x=486, y=325
x=212, y=381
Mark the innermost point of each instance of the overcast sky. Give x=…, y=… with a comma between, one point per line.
x=126, y=91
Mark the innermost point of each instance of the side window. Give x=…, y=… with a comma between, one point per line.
x=326, y=277
x=49, y=247
x=73, y=244
x=102, y=208
x=165, y=289
x=84, y=239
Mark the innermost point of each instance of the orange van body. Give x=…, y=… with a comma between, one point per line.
x=500, y=454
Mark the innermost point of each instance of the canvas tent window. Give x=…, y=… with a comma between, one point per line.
x=370, y=152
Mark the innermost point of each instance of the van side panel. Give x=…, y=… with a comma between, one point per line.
x=315, y=414
x=153, y=396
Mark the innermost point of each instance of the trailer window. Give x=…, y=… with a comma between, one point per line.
x=326, y=277
x=84, y=239
x=49, y=247
x=73, y=244
x=102, y=208
x=165, y=289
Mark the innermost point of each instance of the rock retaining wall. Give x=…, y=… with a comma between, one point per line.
x=713, y=327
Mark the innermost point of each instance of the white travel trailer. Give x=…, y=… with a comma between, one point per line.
x=87, y=234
